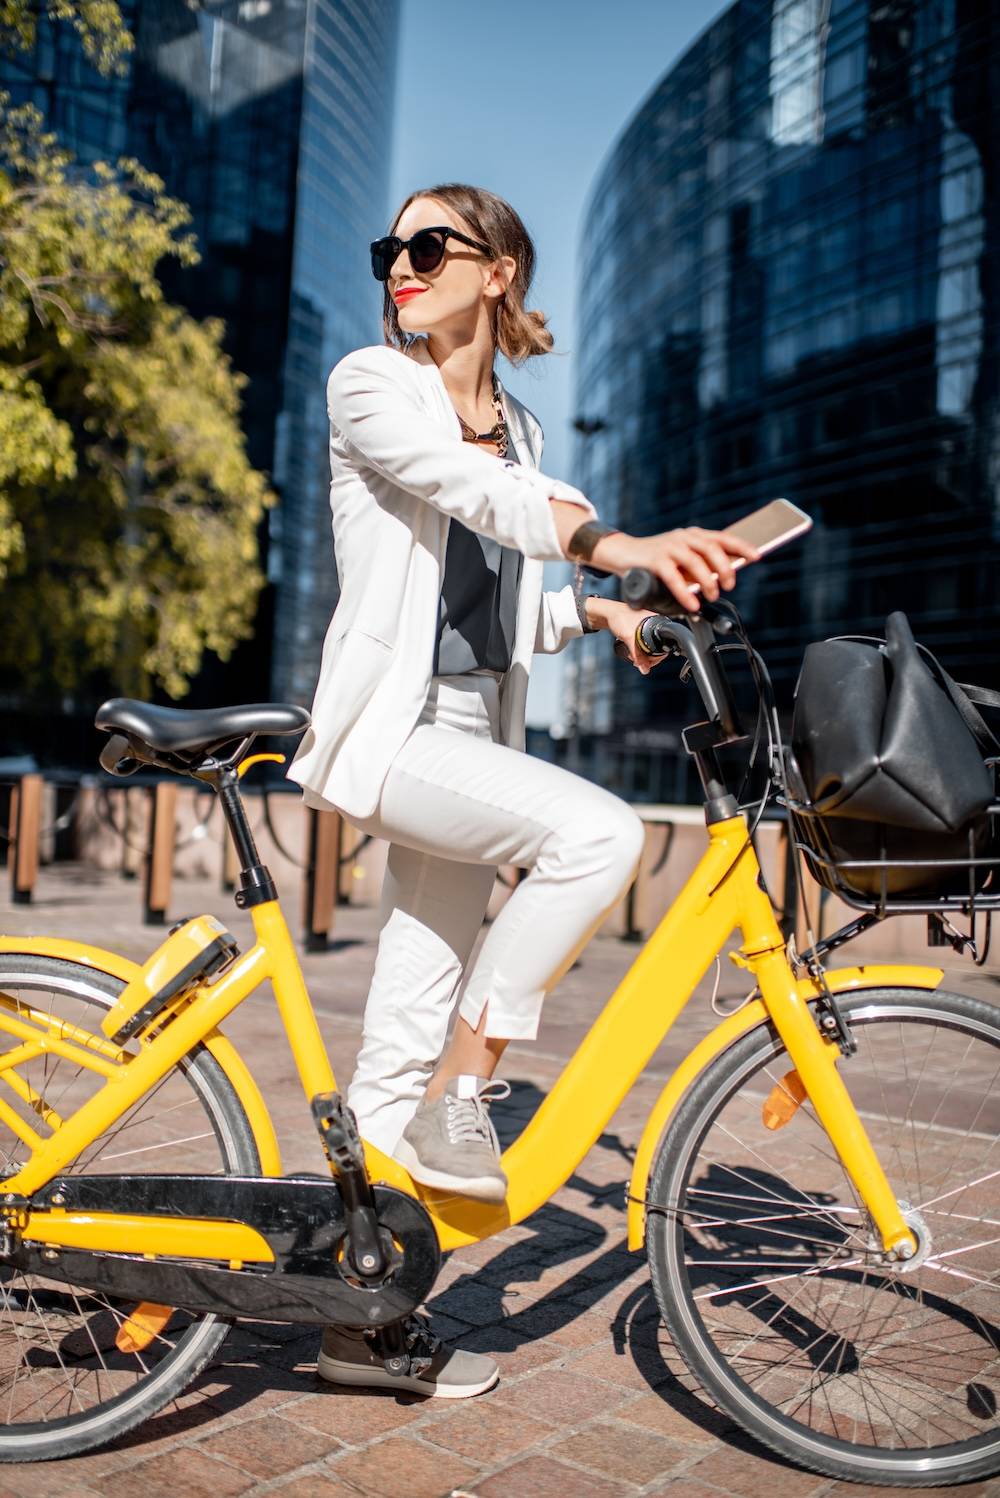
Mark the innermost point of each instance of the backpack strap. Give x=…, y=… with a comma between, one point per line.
x=962, y=698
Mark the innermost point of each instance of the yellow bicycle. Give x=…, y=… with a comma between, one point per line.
x=817, y=1188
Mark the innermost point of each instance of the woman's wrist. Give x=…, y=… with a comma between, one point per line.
x=597, y=610
x=614, y=552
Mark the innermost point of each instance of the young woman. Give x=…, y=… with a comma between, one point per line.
x=442, y=521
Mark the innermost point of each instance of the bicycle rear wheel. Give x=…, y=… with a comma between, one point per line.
x=65, y=1384
x=768, y=1273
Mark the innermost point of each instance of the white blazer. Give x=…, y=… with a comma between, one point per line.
x=400, y=471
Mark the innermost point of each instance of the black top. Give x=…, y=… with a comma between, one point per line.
x=477, y=610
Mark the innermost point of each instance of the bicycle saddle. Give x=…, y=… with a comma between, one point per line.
x=175, y=730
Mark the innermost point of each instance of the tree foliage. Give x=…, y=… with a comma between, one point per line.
x=128, y=508
x=98, y=23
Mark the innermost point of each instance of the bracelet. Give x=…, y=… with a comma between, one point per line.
x=581, y=614
x=586, y=536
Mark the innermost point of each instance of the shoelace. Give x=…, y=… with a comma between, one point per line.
x=468, y=1120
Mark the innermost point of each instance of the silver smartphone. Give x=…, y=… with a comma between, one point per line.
x=767, y=528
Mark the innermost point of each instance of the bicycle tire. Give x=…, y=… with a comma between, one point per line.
x=765, y=1271
x=198, y=1079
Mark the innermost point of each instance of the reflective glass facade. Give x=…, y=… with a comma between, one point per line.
x=272, y=120
x=791, y=286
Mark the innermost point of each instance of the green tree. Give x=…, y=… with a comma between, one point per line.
x=128, y=507
x=98, y=23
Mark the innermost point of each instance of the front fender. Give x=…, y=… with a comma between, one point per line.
x=215, y=1042
x=839, y=980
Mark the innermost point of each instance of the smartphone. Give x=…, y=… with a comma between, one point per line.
x=767, y=528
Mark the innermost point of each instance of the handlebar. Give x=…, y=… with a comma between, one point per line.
x=693, y=637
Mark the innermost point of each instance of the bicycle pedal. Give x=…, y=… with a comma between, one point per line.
x=391, y=1346
x=339, y=1130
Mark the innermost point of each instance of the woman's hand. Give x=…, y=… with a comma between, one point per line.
x=622, y=622
x=679, y=558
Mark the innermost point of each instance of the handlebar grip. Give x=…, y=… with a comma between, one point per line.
x=117, y=757
x=642, y=589
x=651, y=638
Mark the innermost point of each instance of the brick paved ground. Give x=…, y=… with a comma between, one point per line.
x=588, y=1403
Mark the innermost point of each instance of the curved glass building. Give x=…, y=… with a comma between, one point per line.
x=791, y=286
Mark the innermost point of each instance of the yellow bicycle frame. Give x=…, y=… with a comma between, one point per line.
x=723, y=893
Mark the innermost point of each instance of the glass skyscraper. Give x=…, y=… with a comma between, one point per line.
x=791, y=286
x=272, y=120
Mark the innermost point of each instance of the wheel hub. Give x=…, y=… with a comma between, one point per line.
x=876, y=1254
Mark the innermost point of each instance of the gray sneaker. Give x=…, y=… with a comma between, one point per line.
x=451, y=1144
x=347, y=1357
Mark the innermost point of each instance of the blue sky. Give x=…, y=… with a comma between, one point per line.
x=526, y=98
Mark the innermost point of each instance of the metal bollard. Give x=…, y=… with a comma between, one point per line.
x=160, y=852
x=25, y=828
x=320, y=885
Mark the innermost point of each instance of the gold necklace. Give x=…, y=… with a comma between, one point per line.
x=497, y=434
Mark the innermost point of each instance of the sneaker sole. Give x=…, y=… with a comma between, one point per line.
x=479, y=1188
x=335, y=1372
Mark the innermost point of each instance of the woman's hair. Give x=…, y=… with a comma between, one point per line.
x=519, y=333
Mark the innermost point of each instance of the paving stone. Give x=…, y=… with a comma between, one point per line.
x=542, y=1477
x=515, y=1355
x=632, y=1367
x=561, y=1397
x=21, y=1478
x=562, y=1322
x=355, y=1417
x=268, y=1446
x=401, y=1468
x=188, y=1470
x=740, y=1471
x=484, y=1431
x=314, y=1485
x=672, y=1412
x=621, y=1451
x=684, y=1487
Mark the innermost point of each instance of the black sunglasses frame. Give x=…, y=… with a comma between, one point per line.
x=392, y=246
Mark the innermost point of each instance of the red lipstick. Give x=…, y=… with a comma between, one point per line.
x=407, y=293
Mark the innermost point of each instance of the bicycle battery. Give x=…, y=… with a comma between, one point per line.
x=195, y=950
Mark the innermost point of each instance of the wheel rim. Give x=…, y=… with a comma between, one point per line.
x=785, y=1294
x=60, y=1364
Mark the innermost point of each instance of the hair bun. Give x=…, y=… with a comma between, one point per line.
x=522, y=334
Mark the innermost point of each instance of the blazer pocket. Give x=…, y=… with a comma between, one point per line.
x=359, y=663
x=367, y=637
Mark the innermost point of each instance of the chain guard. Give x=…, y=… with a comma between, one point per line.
x=302, y=1218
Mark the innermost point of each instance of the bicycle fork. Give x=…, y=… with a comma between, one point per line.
x=815, y=1059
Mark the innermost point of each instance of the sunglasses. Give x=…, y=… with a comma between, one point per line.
x=426, y=249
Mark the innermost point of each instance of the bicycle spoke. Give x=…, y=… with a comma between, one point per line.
x=784, y=1271
x=60, y=1363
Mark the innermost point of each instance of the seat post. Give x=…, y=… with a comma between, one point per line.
x=256, y=885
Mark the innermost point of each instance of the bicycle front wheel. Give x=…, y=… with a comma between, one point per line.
x=769, y=1274
x=68, y=1379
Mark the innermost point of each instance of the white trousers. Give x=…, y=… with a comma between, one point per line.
x=455, y=805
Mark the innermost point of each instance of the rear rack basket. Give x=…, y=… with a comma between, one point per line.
x=968, y=884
